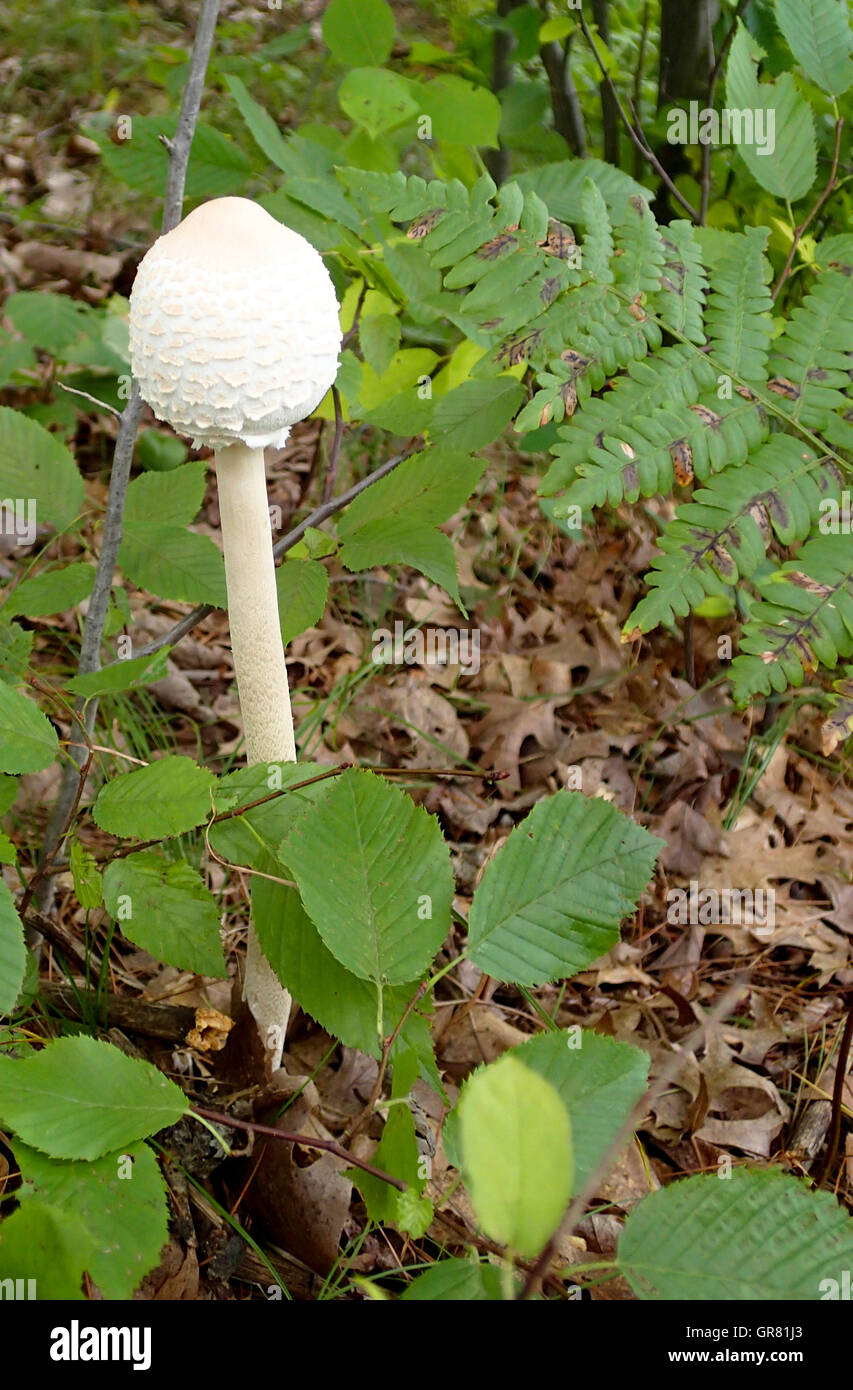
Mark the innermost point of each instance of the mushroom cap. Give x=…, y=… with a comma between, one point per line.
x=234, y=330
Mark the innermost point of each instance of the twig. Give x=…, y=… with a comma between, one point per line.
x=93, y=628
x=308, y=1141
x=837, y=1099
x=171, y=1022
x=831, y=186
x=281, y=547
x=636, y=134
x=335, y=453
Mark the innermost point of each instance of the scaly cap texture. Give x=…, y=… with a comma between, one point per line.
x=234, y=331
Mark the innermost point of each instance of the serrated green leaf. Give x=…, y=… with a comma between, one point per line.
x=28, y=741
x=54, y=592
x=818, y=35
x=373, y=872
x=122, y=675
x=785, y=165
x=598, y=1079
x=302, y=586
x=180, y=565
x=79, y=1098
x=757, y=1235
x=516, y=1154
x=552, y=899
x=262, y=127
x=248, y=837
x=475, y=413
x=339, y=1001
x=397, y=1154
x=49, y=321
x=402, y=542
x=165, y=908
x=13, y=952
x=217, y=166
x=120, y=1202
x=36, y=467
x=427, y=487
x=168, y=797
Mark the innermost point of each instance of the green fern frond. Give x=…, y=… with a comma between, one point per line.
x=813, y=355
x=683, y=284
x=722, y=534
x=647, y=456
x=737, y=318
x=804, y=619
x=675, y=374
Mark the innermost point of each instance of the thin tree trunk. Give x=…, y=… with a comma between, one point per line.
x=609, y=109
x=568, y=117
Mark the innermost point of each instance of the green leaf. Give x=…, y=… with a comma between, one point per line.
x=217, y=166
x=552, y=899
x=158, y=452
x=88, y=880
x=156, y=552
x=120, y=1202
x=170, y=499
x=379, y=336
x=37, y=468
x=168, y=797
x=9, y=788
x=475, y=413
x=598, y=1079
x=262, y=127
x=376, y=99
x=49, y=321
x=402, y=542
x=818, y=35
x=165, y=908
x=179, y=565
x=455, y=1280
x=373, y=872
x=755, y=1236
x=339, y=1001
x=359, y=32
x=121, y=675
x=79, y=1098
x=397, y=1153
x=42, y=1243
x=13, y=952
x=516, y=1154
x=28, y=741
x=54, y=592
x=461, y=113
x=16, y=644
x=250, y=836
x=428, y=487
x=787, y=164
x=302, y=586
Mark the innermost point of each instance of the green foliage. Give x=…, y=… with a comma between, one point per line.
x=552, y=899
x=516, y=1154
x=758, y=1235
x=167, y=797
x=80, y=1099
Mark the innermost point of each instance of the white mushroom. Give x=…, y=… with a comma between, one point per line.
x=234, y=336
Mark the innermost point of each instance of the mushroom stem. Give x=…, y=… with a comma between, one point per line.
x=261, y=673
